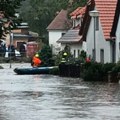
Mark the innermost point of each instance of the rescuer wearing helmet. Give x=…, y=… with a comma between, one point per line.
x=64, y=54
x=64, y=57
x=36, y=61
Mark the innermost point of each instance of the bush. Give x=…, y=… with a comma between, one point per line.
x=108, y=67
x=97, y=71
x=92, y=71
x=116, y=69
x=46, y=56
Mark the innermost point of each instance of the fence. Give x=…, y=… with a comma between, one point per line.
x=69, y=70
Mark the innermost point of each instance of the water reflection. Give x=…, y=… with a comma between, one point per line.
x=47, y=97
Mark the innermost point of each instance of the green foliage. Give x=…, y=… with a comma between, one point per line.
x=77, y=3
x=107, y=67
x=58, y=58
x=82, y=56
x=8, y=7
x=96, y=71
x=46, y=56
x=92, y=71
x=68, y=58
x=116, y=68
x=39, y=13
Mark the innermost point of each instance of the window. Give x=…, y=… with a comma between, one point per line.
x=93, y=54
x=102, y=55
x=78, y=52
x=74, y=53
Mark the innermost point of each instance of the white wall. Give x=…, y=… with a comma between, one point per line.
x=101, y=43
x=75, y=47
x=54, y=35
x=117, y=41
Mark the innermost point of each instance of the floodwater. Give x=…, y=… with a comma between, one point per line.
x=48, y=97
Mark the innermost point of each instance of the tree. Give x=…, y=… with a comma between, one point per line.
x=46, y=56
x=7, y=13
x=39, y=13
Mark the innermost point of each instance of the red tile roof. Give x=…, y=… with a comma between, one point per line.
x=78, y=12
x=106, y=10
x=60, y=22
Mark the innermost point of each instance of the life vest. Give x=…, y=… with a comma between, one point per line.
x=63, y=60
x=36, y=61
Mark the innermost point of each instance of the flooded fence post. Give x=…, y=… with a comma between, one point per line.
x=63, y=70
x=74, y=70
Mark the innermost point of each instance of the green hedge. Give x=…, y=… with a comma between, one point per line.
x=96, y=71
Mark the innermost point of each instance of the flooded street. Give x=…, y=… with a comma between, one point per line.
x=48, y=97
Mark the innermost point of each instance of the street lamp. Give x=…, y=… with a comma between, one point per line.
x=94, y=14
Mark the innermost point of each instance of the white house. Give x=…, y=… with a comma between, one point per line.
x=57, y=28
x=96, y=30
x=115, y=32
x=72, y=38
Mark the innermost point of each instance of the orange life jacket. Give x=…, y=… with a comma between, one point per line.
x=36, y=61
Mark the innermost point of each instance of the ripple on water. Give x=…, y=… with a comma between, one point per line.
x=48, y=97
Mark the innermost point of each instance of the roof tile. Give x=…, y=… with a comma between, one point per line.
x=60, y=22
x=106, y=10
x=78, y=12
x=72, y=36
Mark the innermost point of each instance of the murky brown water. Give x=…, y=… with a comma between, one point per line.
x=47, y=97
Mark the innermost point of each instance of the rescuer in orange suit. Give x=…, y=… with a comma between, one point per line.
x=36, y=61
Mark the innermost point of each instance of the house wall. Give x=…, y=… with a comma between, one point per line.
x=101, y=43
x=117, y=42
x=54, y=35
x=76, y=22
x=75, y=48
